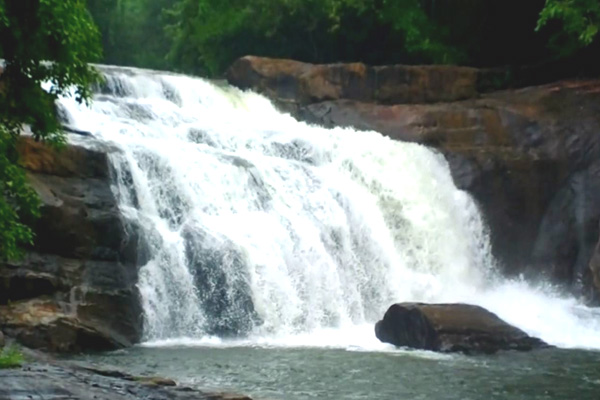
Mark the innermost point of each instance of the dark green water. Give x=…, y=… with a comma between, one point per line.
x=313, y=373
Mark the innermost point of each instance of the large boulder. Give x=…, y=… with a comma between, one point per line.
x=75, y=289
x=529, y=156
x=451, y=328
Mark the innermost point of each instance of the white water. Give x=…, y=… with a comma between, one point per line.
x=284, y=234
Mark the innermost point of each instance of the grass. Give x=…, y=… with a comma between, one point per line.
x=10, y=357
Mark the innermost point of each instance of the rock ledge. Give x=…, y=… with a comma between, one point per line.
x=62, y=380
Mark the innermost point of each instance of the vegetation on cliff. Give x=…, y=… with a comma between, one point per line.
x=10, y=357
x=40, y=41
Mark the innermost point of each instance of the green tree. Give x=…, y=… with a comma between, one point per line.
x=209, y=34
x=132, y=31
x=41, y=41
x=580, y=23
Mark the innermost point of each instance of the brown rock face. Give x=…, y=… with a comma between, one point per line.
x=295, y=82
x=75, y=289
x=530, y=157
x=451, y=328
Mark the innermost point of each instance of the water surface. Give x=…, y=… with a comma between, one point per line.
x=280, y=373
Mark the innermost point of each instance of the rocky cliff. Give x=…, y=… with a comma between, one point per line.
x=75, y=289
x=530, y=157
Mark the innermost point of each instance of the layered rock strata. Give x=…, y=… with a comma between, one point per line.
x=76, y=287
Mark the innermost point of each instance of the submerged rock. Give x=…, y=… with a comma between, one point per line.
x=451, y=328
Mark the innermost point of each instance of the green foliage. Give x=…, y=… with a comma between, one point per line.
x=580, y=21
x=41, y=41
x=132, y=31
x=10, y=357
x=17, y=203
x=205, y=36
x=209, y=34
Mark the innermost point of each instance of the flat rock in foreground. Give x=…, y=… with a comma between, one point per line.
x=59, y=380
x=451, y=328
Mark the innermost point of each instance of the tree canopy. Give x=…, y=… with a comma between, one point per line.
x=579, y=19
x=205, y=36
x=41, y=41
x=133, y=31
x=209, y=34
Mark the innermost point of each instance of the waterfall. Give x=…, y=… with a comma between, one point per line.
x=256, y=225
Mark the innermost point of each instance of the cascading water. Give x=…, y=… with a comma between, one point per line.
x=263, y=227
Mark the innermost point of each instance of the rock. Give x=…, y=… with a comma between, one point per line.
x=69, y=161
x=42, y=324
x=451, y=328
x=226, y=297
x=155, y=381
x=75, y=289
x=529, y=157
x=290, y=81
x=2, y=342
x=147, y=380
x=60, y=380
x=595, y=267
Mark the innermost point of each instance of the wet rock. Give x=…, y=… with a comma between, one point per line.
x=595, y=266
x=59, y=380
x=155, y=381
x=569, y=229
x=223, y=286
x=75, y=289
x=113, y=373
x=43, y=324
x=451, y=328
x=69, y=161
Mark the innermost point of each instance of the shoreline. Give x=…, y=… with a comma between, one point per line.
x=45, y=377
